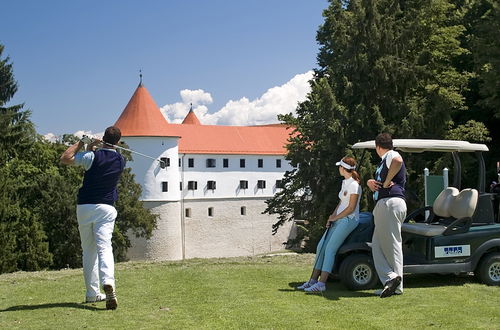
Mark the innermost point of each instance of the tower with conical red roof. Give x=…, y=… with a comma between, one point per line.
x=145, y=129
x=141, y=116
x=191, y=118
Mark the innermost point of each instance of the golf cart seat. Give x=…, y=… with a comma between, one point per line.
x=451, y=214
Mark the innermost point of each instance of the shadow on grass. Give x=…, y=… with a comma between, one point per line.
x=52, y=305
x=436, y=280
x=334, y=291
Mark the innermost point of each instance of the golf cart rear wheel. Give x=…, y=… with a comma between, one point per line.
x=488, y=270
x=357, y=272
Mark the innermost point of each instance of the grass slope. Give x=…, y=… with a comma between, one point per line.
x=246, y=292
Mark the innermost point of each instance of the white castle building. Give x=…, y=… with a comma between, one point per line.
x=211, y=195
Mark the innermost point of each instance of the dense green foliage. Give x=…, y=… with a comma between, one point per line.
x=410, y=68
x=38, y=226
x=22, y=239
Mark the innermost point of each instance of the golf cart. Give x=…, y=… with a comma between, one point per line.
x=460, y=233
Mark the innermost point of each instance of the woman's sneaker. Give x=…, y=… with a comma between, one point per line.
x=317, y=287
x=306, y=285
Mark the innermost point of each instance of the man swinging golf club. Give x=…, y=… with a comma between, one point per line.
x=95, y=211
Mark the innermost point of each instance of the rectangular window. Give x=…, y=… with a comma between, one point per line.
x=242, y=163
x=243, y=184
x=190, y=162
x=180, y=186
x=165, y=161
x=210, y=162
x=260, y=162
x=261, y=184
x=211, y=185
x=188, y=213
x=278, y=163
x=225, y=162
x=164, y=186
x=192, y=185
x=243, y=210
x=279, y=184
x=210, y=211
x=180, y=162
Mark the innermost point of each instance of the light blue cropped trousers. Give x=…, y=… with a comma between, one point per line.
x=330, y=243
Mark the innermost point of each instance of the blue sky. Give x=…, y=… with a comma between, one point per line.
x=77, y=62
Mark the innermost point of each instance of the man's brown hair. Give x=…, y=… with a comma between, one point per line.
x=112, y=135
x=384, y=140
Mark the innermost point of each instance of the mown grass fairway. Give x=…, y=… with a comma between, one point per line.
x=253, y=292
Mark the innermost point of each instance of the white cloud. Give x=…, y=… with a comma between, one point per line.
x=196, y=96
x=79, y=134
x=263, y=110
x=175, y=113
x=51, y=137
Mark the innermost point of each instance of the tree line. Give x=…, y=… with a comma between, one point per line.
x=38, y=226
x=412, y=68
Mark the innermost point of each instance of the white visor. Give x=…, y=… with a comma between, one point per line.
x=345, y=165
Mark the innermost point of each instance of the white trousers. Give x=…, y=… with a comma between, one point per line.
x=96, y=223
x=387, y=249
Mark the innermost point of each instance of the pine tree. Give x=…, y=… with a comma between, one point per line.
x=383, y=66
x=482, y=60
x=23, y=240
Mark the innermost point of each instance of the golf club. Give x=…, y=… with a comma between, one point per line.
x=162, y=163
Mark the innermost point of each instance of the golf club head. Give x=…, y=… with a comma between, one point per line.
x=86, y=139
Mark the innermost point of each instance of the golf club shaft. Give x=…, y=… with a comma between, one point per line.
x=323, y=247
x=132, y=151
x=162, y=163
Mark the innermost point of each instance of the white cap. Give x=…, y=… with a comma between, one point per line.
x=345, y=165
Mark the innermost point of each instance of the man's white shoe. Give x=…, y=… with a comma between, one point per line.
x=99, y=297
x=379, y=292
x=317, y=287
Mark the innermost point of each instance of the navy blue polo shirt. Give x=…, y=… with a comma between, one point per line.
x=398, y=189
x=103, y=170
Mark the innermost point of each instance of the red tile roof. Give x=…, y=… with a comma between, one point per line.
x=142, y=117
x=191, y=119
x=214, y=139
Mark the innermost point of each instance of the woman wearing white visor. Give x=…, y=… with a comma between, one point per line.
x=340, y=224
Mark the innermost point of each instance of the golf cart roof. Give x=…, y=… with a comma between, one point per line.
x=421, y=145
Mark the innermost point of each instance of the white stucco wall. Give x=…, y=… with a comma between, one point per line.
x=166, y=242
x=228, y=233
x=148, y=172
x=228, y=179
x=225, y=234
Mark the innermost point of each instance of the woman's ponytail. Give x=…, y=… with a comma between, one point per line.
x=355, y=176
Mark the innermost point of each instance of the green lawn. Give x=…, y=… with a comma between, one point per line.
x=246, y=292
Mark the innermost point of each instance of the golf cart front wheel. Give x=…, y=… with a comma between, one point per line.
x=488, y=270
x=357, y=272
